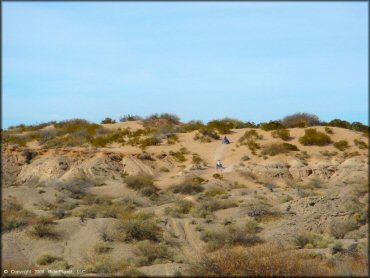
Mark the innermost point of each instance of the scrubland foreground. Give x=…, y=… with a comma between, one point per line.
x=143, y=197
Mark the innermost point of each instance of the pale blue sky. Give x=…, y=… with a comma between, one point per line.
x=253, y=61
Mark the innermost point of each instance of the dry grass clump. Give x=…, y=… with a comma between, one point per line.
x=196, y=159
x=160, y=120
x=232, y=235
x=102, y=248
x=261, y=260
x=300, y=120
x=172, y=139
x=138, y=226
x=247, y=174
x=312, y=137
x=341, y=145
x=261, y=211
x=215, y=191
x=279, y=148
x=312, y=240
x=153, y=253
x=283, y=134
x=128, y=118
x=14, y=216
x=360, y=144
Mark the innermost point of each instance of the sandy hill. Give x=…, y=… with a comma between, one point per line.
x=161, y=209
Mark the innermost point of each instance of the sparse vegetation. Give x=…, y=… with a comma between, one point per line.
x=46, y=259
x=150, y=252
x=360, y=144
x=271, y=125
x=312, y=240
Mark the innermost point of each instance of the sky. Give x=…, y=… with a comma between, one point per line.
x=246, y=60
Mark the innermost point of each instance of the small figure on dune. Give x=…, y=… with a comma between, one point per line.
x=219, y=165
x=225, y=140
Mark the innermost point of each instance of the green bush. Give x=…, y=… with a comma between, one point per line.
x=341, y=145
x=283, y=134
x=150, y=141
x=128, y=117
x=300, y=120
x=188, y=187
x=314, y=137
x=271, y=125
x=196, y=159
x=339, y=123
x=276, y=148
x=178, y=155
x=260, y=211
x=222, y=126
x=108, y=121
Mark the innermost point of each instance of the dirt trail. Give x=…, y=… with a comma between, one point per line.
x=191, y=245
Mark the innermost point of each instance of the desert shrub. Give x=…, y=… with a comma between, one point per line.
x=128, y=117
x=314, y=137
x=271, y=125
x=339, y=123
x=187, y=188
x=139, y=227
x=360, y=144
x=14, y=216
x=103, y=264
x=29, y=155
x=150, y=253
x=196, y=159
x=251, y=226
x=278, y=148
x=139, y=181
x=328, y=130
x=222, y=126
x=209, y=205
x=75, y=125
x=108, y=120
x=215, y=191
x=245, y=158
x=191, y=126
x=164, y=119
x=283, y=134
x=206, y=135
x=261, y=260
x=232, y=235
x=312, y=240
x=179, y=155
x=250, y=135
x=164, y=169
x=328, y=154
x=46, y=259
x=181, y=207
x=102, y=248
x=217, y=176
x=300, y=120
x=260, y=211
x=150, y=141
x=191, y=185
x=41, y=230
x=341, y=145
x=338, y=228
x=172, y=139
